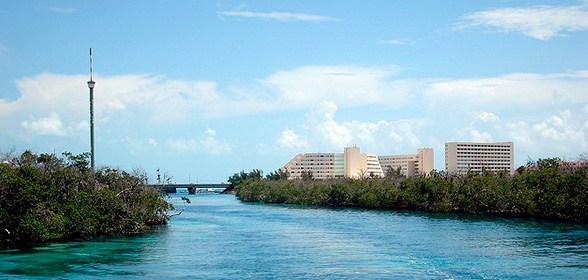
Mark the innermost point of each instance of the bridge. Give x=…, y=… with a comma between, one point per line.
x=192, y=188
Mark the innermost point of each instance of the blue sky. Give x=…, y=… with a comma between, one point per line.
x=204, y=89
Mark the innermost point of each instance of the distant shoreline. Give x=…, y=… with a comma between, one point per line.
x=549, y=193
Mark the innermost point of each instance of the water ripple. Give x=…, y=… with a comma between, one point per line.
x=218, y=237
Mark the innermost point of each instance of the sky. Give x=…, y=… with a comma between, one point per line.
x=204, y=89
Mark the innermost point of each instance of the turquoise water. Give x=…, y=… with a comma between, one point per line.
x=218, y=237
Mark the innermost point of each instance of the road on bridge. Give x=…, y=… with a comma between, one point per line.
x=192, y=187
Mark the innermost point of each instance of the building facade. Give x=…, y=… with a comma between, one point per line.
x=411, y=165
x=464, y=157
x=353, y=164
x=321, y=165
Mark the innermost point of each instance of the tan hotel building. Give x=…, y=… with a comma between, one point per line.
x=419, y=164
x=353, y=164
x=463, y=157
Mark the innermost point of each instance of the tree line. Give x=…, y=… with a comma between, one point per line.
x=541, y=189
x=47, y=197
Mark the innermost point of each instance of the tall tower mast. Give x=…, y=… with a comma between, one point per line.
x=91, y=85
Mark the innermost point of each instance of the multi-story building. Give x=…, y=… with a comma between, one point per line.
x=463, y=157
x=322, y=165
x=419, y=164
x=351, y=163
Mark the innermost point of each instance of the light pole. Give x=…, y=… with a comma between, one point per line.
x=91, y=85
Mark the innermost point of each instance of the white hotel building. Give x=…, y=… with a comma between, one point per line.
x=463, y=157
x=353, y=164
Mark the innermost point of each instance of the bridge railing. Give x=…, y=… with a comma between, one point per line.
x=192, y=187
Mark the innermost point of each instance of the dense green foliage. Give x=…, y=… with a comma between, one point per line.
x=546, y=192
x=46, y=197
x=242, y=177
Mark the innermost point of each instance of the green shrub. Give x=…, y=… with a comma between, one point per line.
x=547, y=192
x=47, y=197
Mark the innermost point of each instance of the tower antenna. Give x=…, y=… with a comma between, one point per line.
x=91, y=85
x=91, y=65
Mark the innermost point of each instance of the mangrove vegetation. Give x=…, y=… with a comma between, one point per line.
x=47, y=197
x=540, y=190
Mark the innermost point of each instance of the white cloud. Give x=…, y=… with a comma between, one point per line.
x=6, y=107
x=324, y=127
x=523, y=136
x=289, y=139
x=279, y=16
x=183, y=145
x=560, y=134
x=561, y=128
x=165, y=100
x=50, y=126
x=156, y=100
x=478, y=136
x=140, y=146
x=162, y=101
x=539, y=22
x=207, y=144
x=408, y=112
x=152, y=142
x=525, y=103
x=346, y=85
x=212, y=145
x=147, y=98
x=519, y=90
x=325, y=132
x=487, y=117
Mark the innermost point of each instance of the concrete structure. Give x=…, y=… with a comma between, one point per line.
x=354, y=162
x=322, y=165
x=351, y=164
x=463, y=157
x=373, y=168
x=192, y=188
x=419, y=164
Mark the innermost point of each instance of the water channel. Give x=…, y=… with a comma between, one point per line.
x=219, y=237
